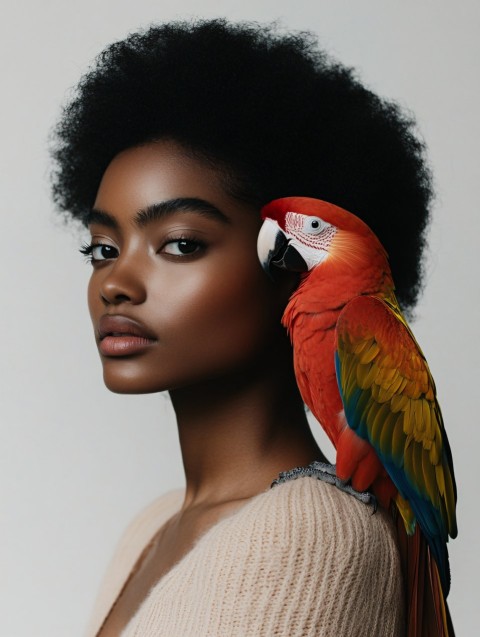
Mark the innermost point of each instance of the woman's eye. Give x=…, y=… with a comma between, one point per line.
x=182, y=247
x=102, y=252
x=99, y=252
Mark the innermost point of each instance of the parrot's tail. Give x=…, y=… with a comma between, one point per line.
x=427, y=610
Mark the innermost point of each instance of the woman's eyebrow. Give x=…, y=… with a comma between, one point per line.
x=182, y=204
x=95, y=215
x=160, y=210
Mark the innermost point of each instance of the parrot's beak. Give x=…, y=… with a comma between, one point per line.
x=274, y=249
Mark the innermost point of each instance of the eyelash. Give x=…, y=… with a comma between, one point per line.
x=87, y=248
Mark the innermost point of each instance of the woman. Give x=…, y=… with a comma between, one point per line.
x=170, y=147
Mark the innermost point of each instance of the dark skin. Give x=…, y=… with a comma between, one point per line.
x=191, y=277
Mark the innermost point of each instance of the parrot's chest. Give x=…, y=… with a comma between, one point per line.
x=314, y=364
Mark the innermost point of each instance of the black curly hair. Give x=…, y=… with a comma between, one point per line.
x=275, y=112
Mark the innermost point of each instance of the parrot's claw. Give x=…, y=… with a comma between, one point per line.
x=364, y=496
x=327, y=473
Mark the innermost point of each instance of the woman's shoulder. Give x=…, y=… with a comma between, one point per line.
x=303, y=523
x=307, y=506
x=317, y=538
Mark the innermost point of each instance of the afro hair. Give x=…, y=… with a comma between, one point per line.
x=277, y=114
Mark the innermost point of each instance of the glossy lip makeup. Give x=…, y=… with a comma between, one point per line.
x=122, y=336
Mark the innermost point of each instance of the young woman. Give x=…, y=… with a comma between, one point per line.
x=173, y=142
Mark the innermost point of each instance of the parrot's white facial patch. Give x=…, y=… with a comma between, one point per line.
x=311, y=236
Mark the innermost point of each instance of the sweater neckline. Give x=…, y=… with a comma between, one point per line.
x=146, y=548
x=283, y=477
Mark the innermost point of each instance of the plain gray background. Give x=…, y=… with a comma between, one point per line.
x=78, y=462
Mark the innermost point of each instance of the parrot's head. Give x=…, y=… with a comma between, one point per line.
x=300, y=234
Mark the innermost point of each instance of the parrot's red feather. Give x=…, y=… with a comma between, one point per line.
x=427, y=610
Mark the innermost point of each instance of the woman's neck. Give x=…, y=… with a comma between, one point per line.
x=238, y=432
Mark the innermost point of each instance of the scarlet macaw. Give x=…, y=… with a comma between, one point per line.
x=364, y=377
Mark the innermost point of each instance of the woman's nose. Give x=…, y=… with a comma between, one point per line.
x=123, y=284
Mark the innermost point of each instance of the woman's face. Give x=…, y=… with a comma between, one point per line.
x=177, y=295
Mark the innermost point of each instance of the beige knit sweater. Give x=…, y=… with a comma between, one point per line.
x=301, y=559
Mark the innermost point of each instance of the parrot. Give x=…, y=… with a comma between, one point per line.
x=364, y=377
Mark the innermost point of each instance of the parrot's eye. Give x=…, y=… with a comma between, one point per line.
x=313, y=225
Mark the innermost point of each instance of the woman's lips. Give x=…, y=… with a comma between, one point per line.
x=123, y=345
x=123, y=336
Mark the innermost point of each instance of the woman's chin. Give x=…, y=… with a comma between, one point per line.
x=121, y=383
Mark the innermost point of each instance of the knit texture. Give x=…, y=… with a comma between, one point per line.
x=301, y=559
